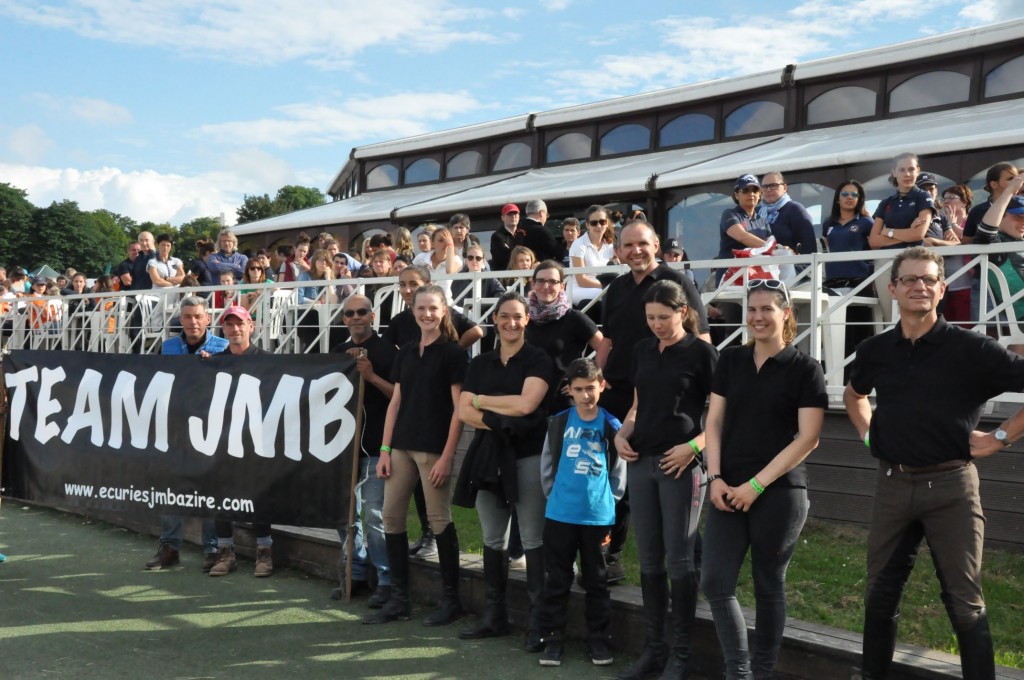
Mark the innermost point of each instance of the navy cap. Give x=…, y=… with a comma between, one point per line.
x=926, y=179
x=1016, y=206
x=744, y=181
x=673, y=245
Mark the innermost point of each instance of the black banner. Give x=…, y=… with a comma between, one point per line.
x=253, y=437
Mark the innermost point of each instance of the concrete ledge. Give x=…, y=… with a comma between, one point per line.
x=809, y=651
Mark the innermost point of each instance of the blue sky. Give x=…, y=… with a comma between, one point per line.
x=166, y=110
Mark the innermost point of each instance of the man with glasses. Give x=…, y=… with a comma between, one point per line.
x=374, y=359
x=789, y=221
x=923, y=434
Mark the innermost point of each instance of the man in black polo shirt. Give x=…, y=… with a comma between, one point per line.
x=931, y=381
x=625, y=324
x=375, y=358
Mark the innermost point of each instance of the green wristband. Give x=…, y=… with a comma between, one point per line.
x=757, y=485
x=385, y=449
x=476, y=401
x=693, y=445
x=867, y=440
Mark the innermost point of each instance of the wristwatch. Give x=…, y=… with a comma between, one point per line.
x=1002, y=436
x=891, y=233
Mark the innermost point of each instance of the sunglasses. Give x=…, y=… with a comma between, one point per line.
x=597, y=223
x=350, y=313
x=849, y=194
x=474, y=258
x=769, y=284
x=255, y=269
x=750, y=190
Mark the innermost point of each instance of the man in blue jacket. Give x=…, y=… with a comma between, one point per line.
x=193, y=339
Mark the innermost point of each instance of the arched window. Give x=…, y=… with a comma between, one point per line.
x=625, y=138
x=465, y=164
x=930, y=89
x=381, y=177
x=569, y=147
x=423, y=170
x=1005, y=79
x=755, y=117
x=687, y=129
x=688, y=221
x=512, y=155
x=841, y=103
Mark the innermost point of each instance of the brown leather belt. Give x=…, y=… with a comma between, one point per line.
x=938, y=467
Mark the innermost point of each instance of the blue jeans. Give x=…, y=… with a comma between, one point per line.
x=170, y=532
x=369, y=506
x=769, y=531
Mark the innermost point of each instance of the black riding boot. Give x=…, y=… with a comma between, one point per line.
x=977, y=660
x=449, y=608
x=494, y=622
x=684, y=611
x=879, y=646
x=398, y=606
x=535, y=589
x=652, y=660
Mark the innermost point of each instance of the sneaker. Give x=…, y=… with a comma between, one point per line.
x=166, y=556
x=518, y=563
x=427, y=549
x=226, y=562
x=264, y=562
x=209, y=559
x=600, y=652
x=552, y=654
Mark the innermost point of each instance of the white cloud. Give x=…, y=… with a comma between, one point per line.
x=555, y=5
x=91, y=110
x=315, y=124
x=29, y=143
x=143, y=195
x=512, y=12
x=988, y=11
x=321, y=32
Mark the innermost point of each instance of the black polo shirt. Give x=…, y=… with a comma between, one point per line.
x=672, y=388
x=425, y=414
x=900, y=210
x=403, y=327
x=761, y=409
x=382, y=355
x=563, y=340
x=487, y=375
x=625, y=318
x=930, y=393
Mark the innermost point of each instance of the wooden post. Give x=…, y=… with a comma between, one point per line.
x=356, y=451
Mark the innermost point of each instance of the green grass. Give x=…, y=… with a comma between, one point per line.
x=825, y=585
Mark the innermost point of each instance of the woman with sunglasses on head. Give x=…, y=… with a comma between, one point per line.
x=767, y=406
x=502, y=399
x=660, y=440
x=592, y=249
x=421, y=432
x=443, y=259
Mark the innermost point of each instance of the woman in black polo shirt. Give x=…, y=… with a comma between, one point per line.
x=502, y=399
x=660, y=439
x=421, y=431
x=768, y=401
x=901, y=220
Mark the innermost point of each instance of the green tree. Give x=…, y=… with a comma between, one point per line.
x=15, y=226
x=292, y=197
x=192, y=231
x=65, y=236
x=255, y=208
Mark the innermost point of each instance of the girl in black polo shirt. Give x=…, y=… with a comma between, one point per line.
x=768, y=401
x=502, y=399
x=421, y=431
x=660, y=439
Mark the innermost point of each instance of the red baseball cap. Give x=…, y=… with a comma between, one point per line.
x=509, y=207
x=235, y=310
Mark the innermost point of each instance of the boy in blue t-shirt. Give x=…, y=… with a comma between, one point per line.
x=582, y=476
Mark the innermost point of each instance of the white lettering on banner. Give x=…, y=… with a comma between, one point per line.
x=18, y=380
x=87, y=412
x=324, y=411
x=218, y=407
x=46, y=407
x=327, y=398
x=263, y=427
x=156, y=401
